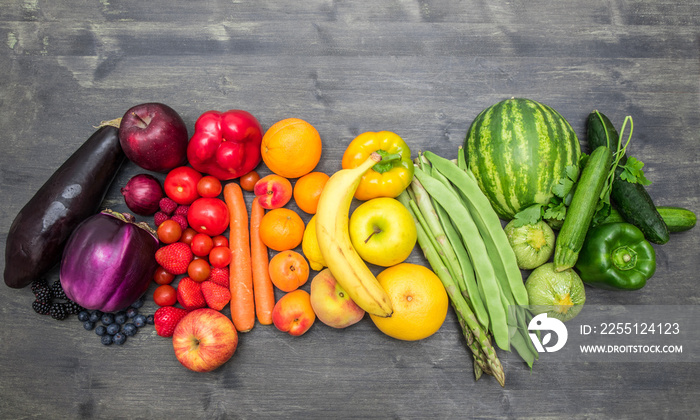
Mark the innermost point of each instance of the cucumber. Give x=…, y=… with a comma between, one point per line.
x=582, y=208
x=677, y=219
x=632, y=200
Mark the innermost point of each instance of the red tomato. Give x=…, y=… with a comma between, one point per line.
x=199, y=270
x=201, y=245
x=248, y=180
x=187, y=236
x=169, y=231
x=220, y=256
x=209, y=186
x=208, y=215
x=165, y=295
x=220, y=240
x=161, y=276
x=181, y=185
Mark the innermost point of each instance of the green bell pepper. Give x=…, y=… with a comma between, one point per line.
x=616, y=256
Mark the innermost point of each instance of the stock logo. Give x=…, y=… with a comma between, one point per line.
x=552, y=325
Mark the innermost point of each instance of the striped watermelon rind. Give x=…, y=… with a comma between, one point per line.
x=517, y=149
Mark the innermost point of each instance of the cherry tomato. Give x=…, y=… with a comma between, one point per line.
x=187, y=236
x=209, y=186
x=165, y=295
x=201, y=244
x=248, y=180
x=199, y=270
x=208, y=215
x=181, y=185
x=162, y=276
x=169, y=231
x=220, y=256
x=220, y=240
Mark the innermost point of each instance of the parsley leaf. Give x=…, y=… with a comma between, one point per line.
x=555, y=211
x=528, y=216
x=632, y=172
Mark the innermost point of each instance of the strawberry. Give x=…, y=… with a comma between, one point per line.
x=166, y=319
x=219, y=276
x=189, y=294
x=216, y=295
x=175, y=258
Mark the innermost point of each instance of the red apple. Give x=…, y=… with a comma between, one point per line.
x=154, y=137
x=293, y=313
x=331, y=303
x=204, y=340
x=273, y=191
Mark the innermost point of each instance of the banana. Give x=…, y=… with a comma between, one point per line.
x=334, y=241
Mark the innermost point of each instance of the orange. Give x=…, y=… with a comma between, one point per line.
x=288, y=270
x=419, y=300
x=281, y=229
x=291, y=148
x=307, y=191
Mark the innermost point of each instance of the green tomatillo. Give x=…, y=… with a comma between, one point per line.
x=616, y=256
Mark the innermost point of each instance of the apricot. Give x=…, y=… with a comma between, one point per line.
x=288, y=270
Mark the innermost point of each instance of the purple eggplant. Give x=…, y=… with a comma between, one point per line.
x=109, y=261
x=72, y=194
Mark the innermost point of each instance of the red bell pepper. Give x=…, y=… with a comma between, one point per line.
x=225, y=145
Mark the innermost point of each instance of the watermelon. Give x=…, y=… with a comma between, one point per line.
x=517, y=149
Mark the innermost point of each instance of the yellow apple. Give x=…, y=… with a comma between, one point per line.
x=331, y=303
x=382, y=231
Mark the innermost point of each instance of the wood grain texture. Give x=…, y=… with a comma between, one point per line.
x=423, y=69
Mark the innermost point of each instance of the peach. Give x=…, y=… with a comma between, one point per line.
x=331, y=303
x=293, y=313
x=273, y=191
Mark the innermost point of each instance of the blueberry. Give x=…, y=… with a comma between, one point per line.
x=150, y=320
x=95, y=315
x=138, y=303
x=83, y=316
x=140, y=320
x=113, y=328
x=119, y=338
x=106, y=339
x=120, y=318
x=131, y=312
x=130, y=329
x=107, y=319
x=101, y=330
x=88, y=325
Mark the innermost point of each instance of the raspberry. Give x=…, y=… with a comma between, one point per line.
x=182, y=210
x=167, y=205
x=182, y=220
x=159, y=218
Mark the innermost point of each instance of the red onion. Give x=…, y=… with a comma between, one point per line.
x=142, y=194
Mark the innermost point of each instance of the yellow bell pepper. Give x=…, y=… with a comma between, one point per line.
x=391, y=175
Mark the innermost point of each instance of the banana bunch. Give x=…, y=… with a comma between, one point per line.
x=334, y=241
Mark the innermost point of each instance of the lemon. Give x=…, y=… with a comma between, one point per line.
x=309, y=246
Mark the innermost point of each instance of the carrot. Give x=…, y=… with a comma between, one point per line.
x=262, y=285
x=240, y=269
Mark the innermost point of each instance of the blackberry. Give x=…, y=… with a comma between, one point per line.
x=106, y=339
x=41, y=308
x=57, y=290
x=83, y=316
x=73, y=308
x=120, y=317
x=131, y=312
x=140, y=320
x=101, y=330
x=119, y=338
x=58, y=311
x=150, y=320
x=37, y=284
x=129, y=329
x=107, y=319
x=95, y=315
x=43, y=294
x=88, y=325
x=113, y=328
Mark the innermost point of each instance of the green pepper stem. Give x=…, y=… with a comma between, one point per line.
x=624, y=258
x=387, y=161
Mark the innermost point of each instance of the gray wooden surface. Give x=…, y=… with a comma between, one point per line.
x=423, y=69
